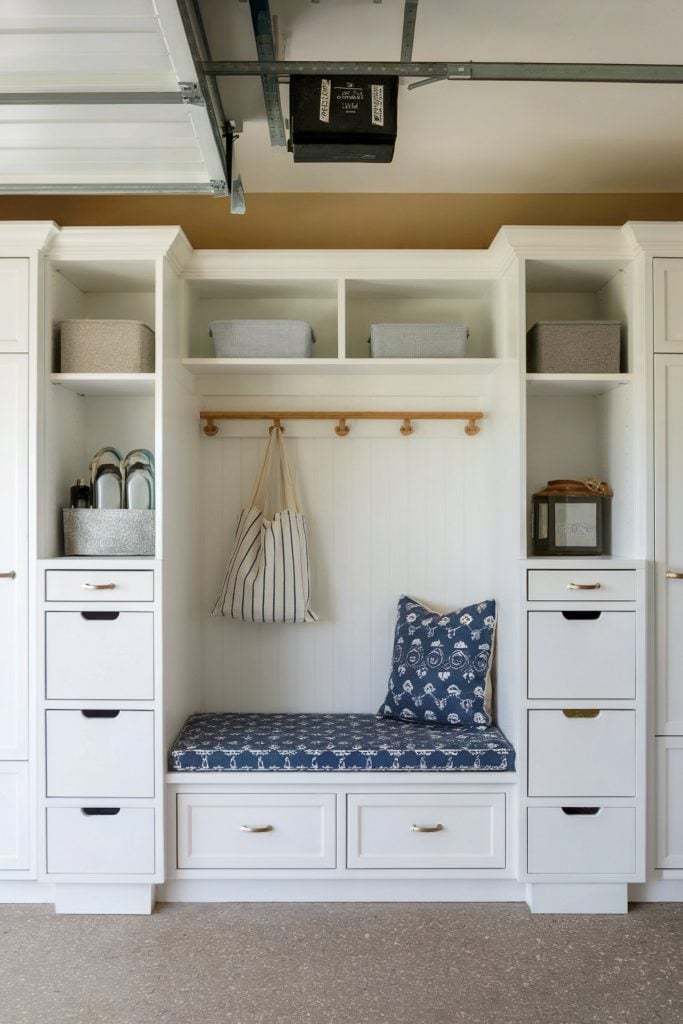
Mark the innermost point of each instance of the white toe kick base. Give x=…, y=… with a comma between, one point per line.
x=102, y=898
x=577, y=899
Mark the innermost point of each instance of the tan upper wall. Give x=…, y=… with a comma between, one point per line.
x=345, y=220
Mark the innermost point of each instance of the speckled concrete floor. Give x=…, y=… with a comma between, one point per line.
x=341, y=964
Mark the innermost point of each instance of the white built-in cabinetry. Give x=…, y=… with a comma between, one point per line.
x=125, y=649
x=668, y=564
x=14, y=566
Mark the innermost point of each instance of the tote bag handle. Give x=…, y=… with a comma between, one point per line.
x=274, y=463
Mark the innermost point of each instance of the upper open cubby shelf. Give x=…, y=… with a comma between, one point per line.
x=341, y=313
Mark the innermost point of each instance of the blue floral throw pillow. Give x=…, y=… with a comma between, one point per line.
x=442, y=665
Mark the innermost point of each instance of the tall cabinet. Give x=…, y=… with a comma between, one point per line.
x=668, y=437
x=14, y=567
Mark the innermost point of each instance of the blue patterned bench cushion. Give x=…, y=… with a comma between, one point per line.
x=334, y=743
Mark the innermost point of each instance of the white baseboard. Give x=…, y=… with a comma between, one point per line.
x=661, y=891
x=26, y=892
x=284, y=890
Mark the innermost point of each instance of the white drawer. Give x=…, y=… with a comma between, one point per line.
x=580, y=655
x=581, y=585
x=91, y=753
x=100, y=840
x=581, y=840
x=15, y=852
x=283, y=830
x=460, y=830
x=582, y=756
x=99, y=655
x=99, y=585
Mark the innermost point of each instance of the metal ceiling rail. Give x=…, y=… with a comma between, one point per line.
x=500, y=71
x=199, y=51
x=408, y=37
x=265, y=48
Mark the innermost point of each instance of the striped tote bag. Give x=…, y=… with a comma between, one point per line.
x=268, y=576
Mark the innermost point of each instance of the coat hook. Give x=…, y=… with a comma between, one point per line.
x=471, y=428
x=407, y=428
x=276, y=425
x=342, y=428
x=210, y=428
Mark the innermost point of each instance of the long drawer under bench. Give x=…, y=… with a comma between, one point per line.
x=225, y=828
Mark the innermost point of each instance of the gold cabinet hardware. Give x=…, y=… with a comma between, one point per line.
x=8, y=575
x=99, y=586
x=581, y=712
x=426, y=828
x=671, y=575
x=583, y=586
x=256, y=828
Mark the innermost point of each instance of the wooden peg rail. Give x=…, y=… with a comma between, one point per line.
x=342, y=428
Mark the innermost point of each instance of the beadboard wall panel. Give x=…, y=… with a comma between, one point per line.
x=387, y=515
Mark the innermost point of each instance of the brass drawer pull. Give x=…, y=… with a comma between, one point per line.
x=583, y=586
x=8, y=575
x=256, y=828
x=671, y=575
x=581, y=712
x=426, y=828
x=99, y=586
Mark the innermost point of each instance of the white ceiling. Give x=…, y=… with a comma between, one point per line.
x=477, y=136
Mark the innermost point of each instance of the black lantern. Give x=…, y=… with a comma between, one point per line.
x=571, y=517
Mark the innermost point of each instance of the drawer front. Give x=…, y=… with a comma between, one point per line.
x=90, y=754
x=582, y=655
x=582, y=756
x=282, y=830
x=95, y=841
x=99, y=655
x=465, y=830
x=581, y=585
x=581, y=840
x=99, y=585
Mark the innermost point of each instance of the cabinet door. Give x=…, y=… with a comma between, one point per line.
x=13, y=556
x=669, y=542
x=14, y=818
x=13, y=305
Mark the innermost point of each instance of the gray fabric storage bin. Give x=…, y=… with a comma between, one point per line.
x=108, y=531
x=262, y=339
x=106, y=346
x=574, y=346
x=418, y=341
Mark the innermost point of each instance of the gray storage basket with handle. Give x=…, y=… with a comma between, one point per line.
x=262, y=339
x=418, y=341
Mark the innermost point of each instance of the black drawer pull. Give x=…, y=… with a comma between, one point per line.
x=99, y=713
x=588, y=616
x=100, y=616
x=92, y=811
x=580, y=810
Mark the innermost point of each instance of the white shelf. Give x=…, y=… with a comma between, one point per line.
x=106, y=383
x=575, y=383
x=210, y=367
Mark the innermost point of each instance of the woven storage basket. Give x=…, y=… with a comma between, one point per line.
x=262, y=339
x=108, y=531
x=574, y=346
x=418, y=341
x=106, y=346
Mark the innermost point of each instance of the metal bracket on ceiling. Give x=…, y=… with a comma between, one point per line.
x=408, y=37
x=191, y=93
x=265, y=48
